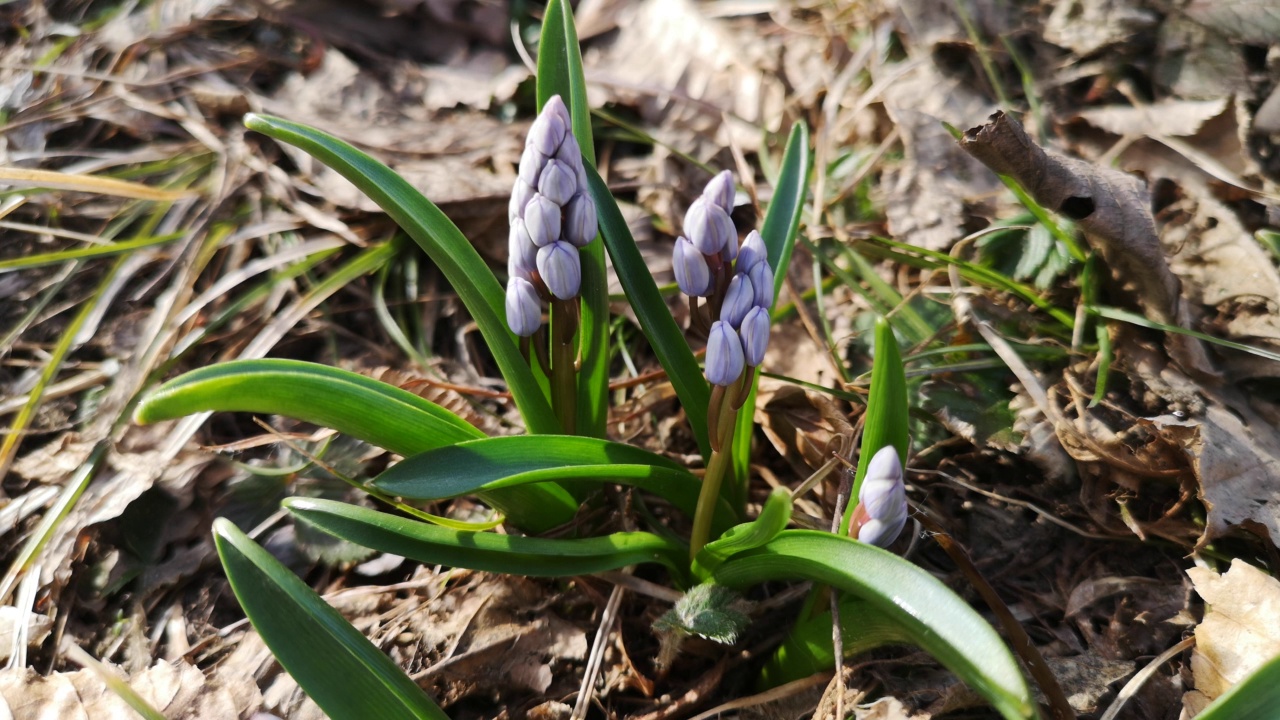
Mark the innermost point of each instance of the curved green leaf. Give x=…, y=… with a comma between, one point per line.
x=807, y=648
x=505, y=463
x=491, y=552
x=781, y=224
x=929, y=613
x=353, y=404
x=444, y=244
x=1254, y=698
x=334, y=664
x=772, y=520
x=651, y=310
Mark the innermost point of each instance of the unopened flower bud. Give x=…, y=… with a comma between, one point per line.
x=752, y=252
x=557, y=182
x=708, y=227
x=542, y=218
x=550, y=127
x=755, y=335
x=738, y=300
x=690, y=266
x=882, y=500
x=580, y=220
x=524, y=310
x=521, y=194
x=530, y=167
x=729, y=252
x=521, y=252
x=724, y=354
x=762, y=281
x=560, y=268
x=721, y=190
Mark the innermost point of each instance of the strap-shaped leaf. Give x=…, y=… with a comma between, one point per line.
x=887, y=411
x=507, y=463
x=334, y=664
x=491, y=552
x=928, y=612
x=807, y=648
x=444, y=244
x=772, y=520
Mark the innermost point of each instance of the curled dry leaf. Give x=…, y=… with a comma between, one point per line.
x=1113, y=210
x=1239, y=631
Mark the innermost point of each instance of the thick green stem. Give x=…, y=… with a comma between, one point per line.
x=564, y=372
x=725, y=419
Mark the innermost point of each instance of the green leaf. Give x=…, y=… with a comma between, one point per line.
x=560, y=73
x=887, y=411
x=444, y=244
x=772, y=520
x=781, y=224
x=491, y=552
x=1134, y=319
x=659, y=327
x=339, y=669
x=708, y=611
x=808, y=650
x=353, y=404
x=1254, y=698
x=510, y=463
x=926, y=611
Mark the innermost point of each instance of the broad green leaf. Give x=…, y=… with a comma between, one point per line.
x=444, y=244
x=928, y=613
x=808, y=650
x=772, y=520
x=491, y=552
x=509, y=463
x=886, y=421
x=560, y=73
x=332, y=662
x=361, y=407
x=781, y=224
x=659, y=327
x=1255, y=698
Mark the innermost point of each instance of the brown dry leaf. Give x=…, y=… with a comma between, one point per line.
x=1253, y=21
x=1166, y=117
x=1238, y=633
x=38, y=627
x=1087, y=26
x=888, y=708
x=179, y=690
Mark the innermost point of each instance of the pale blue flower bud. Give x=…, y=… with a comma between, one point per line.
x=721, y=190
x=580, y=220
x=557, y=182
x=724, y=354
x=560, y=268
x=753, y=251
x=571, y=155
x=738, y=300
x=521, y=194
x=762, y=281
x=521, y=252
x=550, y=128
x=530, y=167
x=708, y=227
x=690, y=266
x=524, y=310
x=729, y=252
x=542, y=218
x=882, y=500
x=755, y=335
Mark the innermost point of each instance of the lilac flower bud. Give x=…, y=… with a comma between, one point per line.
x=762, y=281
x=530, y=167
x=724, y=354
x=729, y=252
x=882, y=500
x=542, y=218
x=557, y=182
x=755, y=335
x=580, y=220
x=521, y=252
x=524, y=310
x=753, y=251
x=708, y=227
x=550, y=128
x=521, y=194
x=570, y=154
x=738, y=300
x=690, y=266
x=560, y=268
x=721, y=190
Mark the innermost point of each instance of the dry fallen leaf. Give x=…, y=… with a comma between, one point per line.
x=1166, y=117
x=1238, y=633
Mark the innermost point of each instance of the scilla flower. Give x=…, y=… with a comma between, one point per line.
x=724, y=354
x=882, y=500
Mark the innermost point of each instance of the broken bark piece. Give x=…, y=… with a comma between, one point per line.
x=1113, y=210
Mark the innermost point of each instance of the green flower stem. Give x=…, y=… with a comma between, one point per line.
x=564, y=372
x=723, y=418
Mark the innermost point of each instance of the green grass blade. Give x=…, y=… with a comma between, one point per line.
x=332, y=662
x=659, y=327
x=490, y=552
x=1134, y=319
x=887, y=411
x=93, y=251
x=444, y=244
x=560, y=73
x=1254, y=698
x=781, y=224
x=507, y=463
x=926, y=611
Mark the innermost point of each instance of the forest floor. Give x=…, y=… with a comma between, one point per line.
x=1085, y=453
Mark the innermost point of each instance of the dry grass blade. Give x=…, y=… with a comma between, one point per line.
x=22, y=177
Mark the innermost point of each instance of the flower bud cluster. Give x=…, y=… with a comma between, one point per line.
x=882, y=500
x=552, y=215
